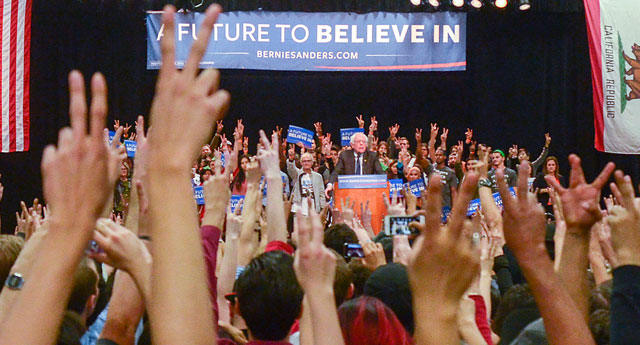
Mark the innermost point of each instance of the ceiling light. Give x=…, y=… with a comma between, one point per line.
x=524, y=5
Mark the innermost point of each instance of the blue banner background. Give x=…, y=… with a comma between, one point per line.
x=300, y=41
x=297, y=134
x=347, y=133
x=131, y=146
x=198, y=193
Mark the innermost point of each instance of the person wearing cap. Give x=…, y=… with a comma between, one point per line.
x=497, y=163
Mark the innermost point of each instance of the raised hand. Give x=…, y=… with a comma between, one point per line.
x=513, y=151
x=347, y=210
x=268, y=156
x=547, y=140
x=624, y=220
x=373, y=127
x=318, y=127
x=434, y=132
x=393, y=130
x=120, y=248
x=219, y=126
x=418, y=135
x=315, y=267
x=184, y=99
x=580, y=200
x=360, y=121
x=216, y=196
x=524, y=229
x=142, y=149
x=444, y=135
x=447, y=255
x=116, y=153
x=238, y=132
x=127, y=128
x=116, y=125
x=395, y=208
x=373, y=255
x=468, y=135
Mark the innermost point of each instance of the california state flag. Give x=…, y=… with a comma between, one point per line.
x=614, y=38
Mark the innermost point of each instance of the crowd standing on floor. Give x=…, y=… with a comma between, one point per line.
x=136, y=261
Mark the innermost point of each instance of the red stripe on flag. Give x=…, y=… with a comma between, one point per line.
x=27, y=58
x=592, y=13
x=12, y=74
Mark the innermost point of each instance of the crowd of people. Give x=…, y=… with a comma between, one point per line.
x=136, y=261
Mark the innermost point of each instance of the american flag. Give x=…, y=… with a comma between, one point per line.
x=15, y=28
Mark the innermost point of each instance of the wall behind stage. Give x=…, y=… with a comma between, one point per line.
x=528, y=73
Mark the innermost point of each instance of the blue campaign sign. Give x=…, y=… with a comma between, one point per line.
x=416, y=187
x=347, y=133
x=111, y=135
x=297, y=134
x=131, y=146
x=319, y=41
x=198, y=193
x=362, y=181
x=234, y=200
x=474, y=205
x=395, y=185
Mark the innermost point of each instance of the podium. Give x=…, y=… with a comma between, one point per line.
x=363, y=188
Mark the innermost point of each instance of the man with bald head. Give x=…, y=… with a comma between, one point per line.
x=357, y=161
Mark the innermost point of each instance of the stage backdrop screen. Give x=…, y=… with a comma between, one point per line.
x=301, y=41
x=614, y=35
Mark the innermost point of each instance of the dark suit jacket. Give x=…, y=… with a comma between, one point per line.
x=347, y=164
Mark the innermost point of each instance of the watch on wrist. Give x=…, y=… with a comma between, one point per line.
x=14, y=281
x=484, y=182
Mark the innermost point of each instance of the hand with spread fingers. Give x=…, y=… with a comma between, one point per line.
x=315, y=268
x=185, y=99
x=624, y=220
x=442, y=264
x=524, y=230
x=580, y=200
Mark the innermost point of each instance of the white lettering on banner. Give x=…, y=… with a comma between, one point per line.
x=282, y=27
x=417, y=31
x=341, y=34
x=247, y=31
x=262, y=32
x=306, y=33
x=354, y=35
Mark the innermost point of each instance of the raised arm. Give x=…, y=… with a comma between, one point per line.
x=270, y=165
x=78, y=164
x=446, y=254
x=581, y=211
x=524, y=229
x=625, y=298
x=185, y=102
x=315, y=268
x=432, y=141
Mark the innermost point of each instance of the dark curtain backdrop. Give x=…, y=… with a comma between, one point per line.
x=528, y=73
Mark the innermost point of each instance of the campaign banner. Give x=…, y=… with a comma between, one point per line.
x=234, y=201
x=297, y=134
x=111, y=135
x=347, y=133
x=474, y=205
x=131, y=146
x=614, y=35
x=198, y=193
x=396, y=185
x=362, y=181
x=416, y=187
x=319, y=41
